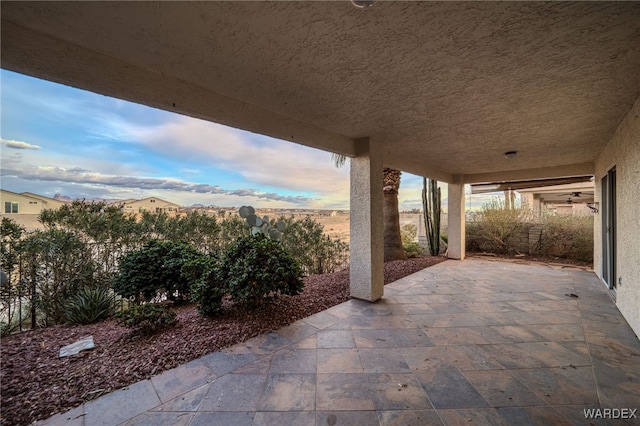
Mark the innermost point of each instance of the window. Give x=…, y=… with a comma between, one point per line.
x=152, y=201
x=10, y=207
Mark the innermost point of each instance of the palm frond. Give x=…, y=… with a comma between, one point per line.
x=339, y=160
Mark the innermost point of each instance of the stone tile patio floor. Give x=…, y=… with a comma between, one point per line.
x=471, y=342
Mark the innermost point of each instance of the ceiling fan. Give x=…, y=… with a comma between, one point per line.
x=574, y=194
x=577, y=194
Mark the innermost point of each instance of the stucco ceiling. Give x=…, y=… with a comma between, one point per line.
x=447, y=87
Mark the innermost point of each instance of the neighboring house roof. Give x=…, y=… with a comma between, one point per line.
x=26, y=203
x=9, y=192
x=41, y=198
x=161, y=201
x=128, y=200
x=150, y=202
x=47, y=202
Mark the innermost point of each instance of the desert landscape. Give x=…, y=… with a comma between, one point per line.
x=336, y=222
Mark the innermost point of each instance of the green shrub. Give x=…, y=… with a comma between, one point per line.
x=412, y=249
x=95, y=245
x=155, y=270
x=315, y=252
x=89, y=305
x=255, y=269
x=12, y=288
x=105, y=228
x=56, y=265
x=148, y=318
x=208, y=287
x=408, y=234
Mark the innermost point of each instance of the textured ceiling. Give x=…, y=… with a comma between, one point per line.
x=447, y=87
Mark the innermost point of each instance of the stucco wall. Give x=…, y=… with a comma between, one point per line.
x=26, y=205
x=623, y=152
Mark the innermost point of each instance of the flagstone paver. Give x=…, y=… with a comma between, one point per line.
x=463, y=342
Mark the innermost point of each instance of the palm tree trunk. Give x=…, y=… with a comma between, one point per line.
x=393, y=249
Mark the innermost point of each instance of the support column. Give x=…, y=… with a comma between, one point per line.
x=537, y=203
x=456, y=226
x=366, y=233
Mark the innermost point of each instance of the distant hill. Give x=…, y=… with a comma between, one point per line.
x=61, y=197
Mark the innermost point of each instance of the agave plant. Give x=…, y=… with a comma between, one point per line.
x=89, y=305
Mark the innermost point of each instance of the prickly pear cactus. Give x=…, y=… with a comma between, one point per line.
x=262, y=225
x=245, y=211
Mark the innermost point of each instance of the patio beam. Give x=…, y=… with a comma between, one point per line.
x=419, y=168
x=565, y=170
x=366, y=244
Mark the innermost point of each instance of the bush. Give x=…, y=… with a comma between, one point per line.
x=105, y=228
x=89, y=305
x=16, y=320
x=95, y=245
x=408, y=234
x=496, y=229
x=12, y=288
x=57, y=264
x=315, y=252
x=495, y=225
x=148, y=318
x=154, y=271
x=412, y=249
x=567, y=237
x=208, y=287
x=255, y=269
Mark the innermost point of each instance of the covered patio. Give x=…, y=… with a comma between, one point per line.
x=440, y=89
x=473, y=342
x=461, y=92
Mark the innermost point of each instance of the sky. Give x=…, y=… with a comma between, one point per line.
x=61, y=140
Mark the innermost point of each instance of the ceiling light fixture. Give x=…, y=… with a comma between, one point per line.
x=363, y=4
x=510, y=154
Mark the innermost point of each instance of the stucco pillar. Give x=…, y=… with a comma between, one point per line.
x=366, y=239
x=456, y=237
x=537, y=203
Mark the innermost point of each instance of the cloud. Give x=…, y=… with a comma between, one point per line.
x=10, y=143
x=81, y=176
x=260, y=159
x=77, y=170
x=263, y=161
x=410, y=193
x=112, y=137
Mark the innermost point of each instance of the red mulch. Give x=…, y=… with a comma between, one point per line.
x=37, y=384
